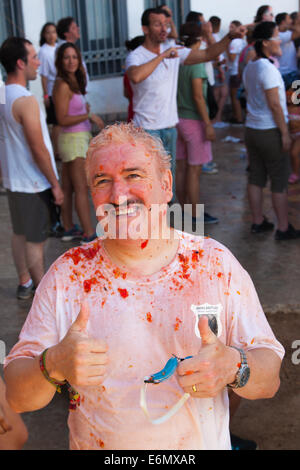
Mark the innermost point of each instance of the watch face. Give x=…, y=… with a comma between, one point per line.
x=243, y=376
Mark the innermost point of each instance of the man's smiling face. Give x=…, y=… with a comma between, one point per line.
x=128, y=179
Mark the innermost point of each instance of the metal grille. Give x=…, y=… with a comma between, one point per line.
x=11, y=19
x=103, y=25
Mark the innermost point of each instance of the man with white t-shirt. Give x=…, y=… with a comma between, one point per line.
x=153, y=71
x=288, y=60
x=27, y=163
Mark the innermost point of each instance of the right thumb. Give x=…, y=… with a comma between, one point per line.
x=81, y=321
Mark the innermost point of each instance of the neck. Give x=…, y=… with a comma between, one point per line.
x=16, y=79
x=151, y=45
x=143, y=257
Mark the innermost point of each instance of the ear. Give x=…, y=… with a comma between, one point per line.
x=20, y=64
x=145, y=30
x=167, y=182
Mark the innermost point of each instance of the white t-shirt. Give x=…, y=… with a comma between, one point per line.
x=20, y=172
x=259, y=76
x=144, y=320
x=47, y=68
x=154, y=99
x=288, y=59
x=236, y=46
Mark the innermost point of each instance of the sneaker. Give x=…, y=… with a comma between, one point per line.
x=74, y=233
x=24, y=293
x=209, y=219
x=56, y=230
x=211, y=164
x=293, y=178
x=242, y=444
x=290, y=234
x=207, y=170
x=265, y=226
x=86, y=239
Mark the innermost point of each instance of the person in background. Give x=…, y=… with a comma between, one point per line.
x=127, y=88
x=69, y=31
x=264, y=13
x=294, y=127
x=28, y=165
x=295, y=16
x=195, y=130
x=220, y=68
x=172, y=30
x=208, y=39
x=234, y=49
x=288, y=61
x=267, y=136
x=47, y=52
x=74, y=118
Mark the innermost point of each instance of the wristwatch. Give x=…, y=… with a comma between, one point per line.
x=243, y=374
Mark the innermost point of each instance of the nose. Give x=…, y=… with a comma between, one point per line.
x=119, y=193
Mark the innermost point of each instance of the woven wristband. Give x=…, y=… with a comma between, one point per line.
x=73, y=394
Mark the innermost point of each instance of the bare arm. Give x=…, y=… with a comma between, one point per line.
x=209, y=54
x=13, y=432
x=273, y=101
x=61, y=98
x=139, y=73
x=197, y=88
x=27, y=112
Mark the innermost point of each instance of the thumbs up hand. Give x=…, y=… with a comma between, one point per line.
x=78, y=358
x=215, y=366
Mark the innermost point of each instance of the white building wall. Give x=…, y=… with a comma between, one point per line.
x=241, y=10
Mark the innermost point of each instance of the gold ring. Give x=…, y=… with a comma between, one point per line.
x=194, y=388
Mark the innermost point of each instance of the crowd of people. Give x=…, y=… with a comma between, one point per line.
x=178, y=85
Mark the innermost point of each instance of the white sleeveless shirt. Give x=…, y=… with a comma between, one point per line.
x=20, y=172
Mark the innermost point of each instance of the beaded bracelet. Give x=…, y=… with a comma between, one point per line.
x=74, y=396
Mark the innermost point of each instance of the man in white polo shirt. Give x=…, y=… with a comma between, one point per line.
x=153, y=71
x=27, y=163
x=288, y=60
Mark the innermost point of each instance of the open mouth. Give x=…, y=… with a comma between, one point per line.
x=130, y=210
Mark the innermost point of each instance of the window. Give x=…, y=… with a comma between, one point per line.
x=103, y=26
x=11, y=21
x=180, y=8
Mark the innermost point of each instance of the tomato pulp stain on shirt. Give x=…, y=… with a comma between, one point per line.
x=144, y=244
x=123, y=293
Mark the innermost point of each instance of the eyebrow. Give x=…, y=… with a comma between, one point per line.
x=126, y=170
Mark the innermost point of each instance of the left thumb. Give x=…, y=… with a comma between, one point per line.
x=207, y=336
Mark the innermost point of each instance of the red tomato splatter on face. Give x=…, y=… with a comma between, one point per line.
x=123, y=293
x=144, y=244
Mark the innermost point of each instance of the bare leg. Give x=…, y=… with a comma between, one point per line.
x=255, y=195
x=295, y=160
x=180, y=181
x=236, y=105
x=221, y=94
x=35, y=261
x=66, y=210
x=280, y=205
x=82, y=204
x=193, y=186
x=18, y=245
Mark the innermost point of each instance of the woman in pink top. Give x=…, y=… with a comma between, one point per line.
x=73, y=116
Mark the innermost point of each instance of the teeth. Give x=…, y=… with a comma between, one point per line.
x=126, y=211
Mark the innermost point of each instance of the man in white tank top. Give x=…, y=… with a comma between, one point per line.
x=27, y=163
